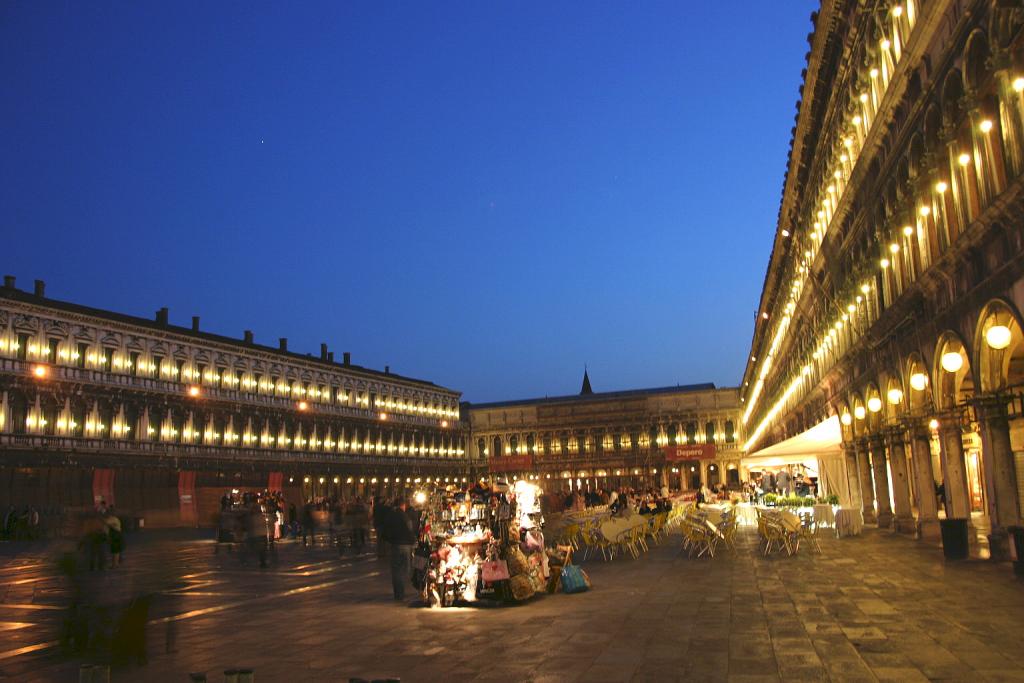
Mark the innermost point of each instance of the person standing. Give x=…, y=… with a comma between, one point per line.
x=380, y=513
x=783, y=482
x=400, y=537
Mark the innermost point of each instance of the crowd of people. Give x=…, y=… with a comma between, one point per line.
x=783, y=483
x=649, y=501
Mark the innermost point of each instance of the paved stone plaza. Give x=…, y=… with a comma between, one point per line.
x=877, y=607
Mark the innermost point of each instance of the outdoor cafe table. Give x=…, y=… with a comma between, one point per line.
x=824, y=515
x=849, y=522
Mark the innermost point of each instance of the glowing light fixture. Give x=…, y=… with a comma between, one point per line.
x=846, y=419
x=985, y=126
x=933, y=424
x=874, y=404
x=884, y=263
x=998, y=337
x=897, y=11
x=925, y=210
x=1018, y=84
x=858, y=412
x=908, y=230
x=941, y=187
x=894, y=248
x=964, y=159
x=39, y=371
x=918, y=381
x=785, y=233
x=193, y=391
x=952, y=361
x=303, y=405
x=895, y=396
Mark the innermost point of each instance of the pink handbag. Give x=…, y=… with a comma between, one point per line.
x=496, y=570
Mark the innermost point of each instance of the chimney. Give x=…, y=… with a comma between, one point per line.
x=195, y=323
x=40, y=288
x=248, y=336
x=8, y=281
x=387, y=369
x=323, y=352
x=330, y=356
x=283, y=343
x=161, y=316
x=346, y=358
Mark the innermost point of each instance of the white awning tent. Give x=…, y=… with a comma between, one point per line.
x=819, y=449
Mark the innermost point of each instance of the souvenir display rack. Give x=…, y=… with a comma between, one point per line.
x=481, y=545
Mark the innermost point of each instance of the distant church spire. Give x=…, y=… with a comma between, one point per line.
x=586, y=383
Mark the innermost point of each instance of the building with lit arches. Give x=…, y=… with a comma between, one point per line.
x=675, y=436
x=891, y=309
x=162, y=419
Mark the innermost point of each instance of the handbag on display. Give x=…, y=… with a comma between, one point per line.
x=493, y=571
x=574, y=580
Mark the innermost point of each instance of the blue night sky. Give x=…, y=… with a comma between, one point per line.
x=486, y=195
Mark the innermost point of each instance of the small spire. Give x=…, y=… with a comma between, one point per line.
x=586, y=383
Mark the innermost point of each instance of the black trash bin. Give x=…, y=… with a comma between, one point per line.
x=1017, y=535
x=954, y=538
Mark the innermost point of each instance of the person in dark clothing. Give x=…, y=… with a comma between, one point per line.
x=399, y=534
x=380, y=511
x=308, y=525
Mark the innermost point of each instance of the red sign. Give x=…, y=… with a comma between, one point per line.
x=511, y=463
x=702, y=451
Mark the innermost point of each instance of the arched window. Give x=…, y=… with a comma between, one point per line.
x=691, y=432
x=730, y=432
x=709, y=432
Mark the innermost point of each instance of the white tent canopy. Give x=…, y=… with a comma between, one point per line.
x=819, y=449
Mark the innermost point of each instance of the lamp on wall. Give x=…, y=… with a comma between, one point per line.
x=952, y=361
x=998, y=337
x=918, y=381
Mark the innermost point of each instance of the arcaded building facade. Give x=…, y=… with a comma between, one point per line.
x=162, y=420
x=893, y=297
x=677, y=436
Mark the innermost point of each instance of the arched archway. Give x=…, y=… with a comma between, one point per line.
x=999, y=347
x=954, y=386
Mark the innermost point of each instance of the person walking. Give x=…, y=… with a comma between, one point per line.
x=115, y=537
x=400, y=537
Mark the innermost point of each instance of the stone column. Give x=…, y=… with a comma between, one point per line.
x=852, y=475
x=927, y=503
x=877, y=445
x=954, y=469
x=900, y=481
x=1000, y=470
x=867, y=493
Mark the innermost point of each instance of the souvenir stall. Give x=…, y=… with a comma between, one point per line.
x=481, y=544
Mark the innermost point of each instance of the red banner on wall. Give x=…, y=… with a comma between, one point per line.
x=511, y=463
x=701, y=451
x=187, y=497
x=102, y=488
x=275, y=482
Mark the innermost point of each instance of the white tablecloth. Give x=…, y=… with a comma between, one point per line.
x=849, y=522
x=824, y=515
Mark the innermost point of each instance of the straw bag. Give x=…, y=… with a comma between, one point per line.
x=517, y=562
x=522, y=587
